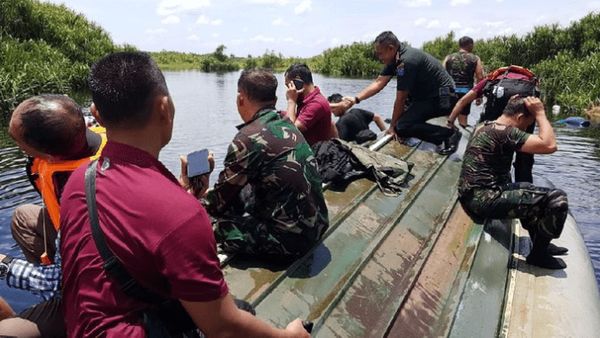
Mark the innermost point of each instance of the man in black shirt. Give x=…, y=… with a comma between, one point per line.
x=423, y=86
x=353, y=121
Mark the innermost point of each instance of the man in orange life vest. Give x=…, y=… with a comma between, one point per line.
x=51, y=130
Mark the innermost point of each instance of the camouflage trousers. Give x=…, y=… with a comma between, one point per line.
x=248, y=235
x=541, y=210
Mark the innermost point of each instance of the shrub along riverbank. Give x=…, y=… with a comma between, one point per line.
x=47, y=48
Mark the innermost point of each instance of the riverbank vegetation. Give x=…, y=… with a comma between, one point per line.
x=45, y=48
x=49, y=48
x=566, y=60
x=219, y=61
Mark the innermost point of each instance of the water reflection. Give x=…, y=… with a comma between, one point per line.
x=206, y=116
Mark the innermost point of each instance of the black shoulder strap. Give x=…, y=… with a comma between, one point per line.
x=113, y=267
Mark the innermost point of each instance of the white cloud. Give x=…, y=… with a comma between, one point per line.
x=170, y=7
x=278, y=22
x=493, y=24
x=215, y=35
x=268, y=2
x=171, y=19
x=420, y=22
x=335, y=42
x=454, y=25
x=433, y=24
x=455, y=3
x=262, y=38
x=204, y=20
x=303, y=7
x=594, y=5
x=155, y=31
x=416, y=3
x=193, y=37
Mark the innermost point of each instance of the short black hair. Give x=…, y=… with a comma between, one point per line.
x=515, y=106
x=53, y=124
x=387, y=38
x=123, y=85
x=300, y=70
x=465, y=41
x=259, y=84
x=335, y=98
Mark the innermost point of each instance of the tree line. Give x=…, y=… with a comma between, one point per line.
x=47, y=48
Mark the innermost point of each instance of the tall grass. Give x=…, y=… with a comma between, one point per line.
x=45, y=48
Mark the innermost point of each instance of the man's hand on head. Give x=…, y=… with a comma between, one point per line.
x=534, y=105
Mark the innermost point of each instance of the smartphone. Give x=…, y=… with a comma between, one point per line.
x=197, y=163
x=299, y=84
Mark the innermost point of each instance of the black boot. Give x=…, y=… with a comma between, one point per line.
x=556, y=250
x=539, y=255
x=451, y=143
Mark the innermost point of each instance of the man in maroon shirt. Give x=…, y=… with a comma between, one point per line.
x=159, y=232
x=307, y=108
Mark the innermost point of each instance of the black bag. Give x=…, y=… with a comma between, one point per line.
x=162, y=317
x=499, y=91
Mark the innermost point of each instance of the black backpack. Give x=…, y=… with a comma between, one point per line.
x=499, y=89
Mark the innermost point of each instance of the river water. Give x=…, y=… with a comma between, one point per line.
x=206, y=117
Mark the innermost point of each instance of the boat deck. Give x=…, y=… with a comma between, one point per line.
x=410, y=266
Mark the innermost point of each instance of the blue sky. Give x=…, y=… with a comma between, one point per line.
x=307, y=27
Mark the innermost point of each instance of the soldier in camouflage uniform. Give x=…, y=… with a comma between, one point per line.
x=463, y=66
x=485, y=187
x=268, y=199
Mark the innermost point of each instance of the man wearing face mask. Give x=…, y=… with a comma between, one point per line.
x=307, y=108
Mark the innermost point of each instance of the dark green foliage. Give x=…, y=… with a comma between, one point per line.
x=569, y=82
x=357, y=60
x=442, y=46
x=45, y=48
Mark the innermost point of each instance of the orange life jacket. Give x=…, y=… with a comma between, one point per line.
x=44, y=177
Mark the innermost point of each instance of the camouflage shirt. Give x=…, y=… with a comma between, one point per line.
x=461, y=66
x=270, y=156
x=487, y=160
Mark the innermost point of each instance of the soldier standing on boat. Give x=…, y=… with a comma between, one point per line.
x=463, y=66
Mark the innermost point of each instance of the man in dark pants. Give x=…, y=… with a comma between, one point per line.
x=424, y=91
x=524, y=83
x=354, y=121
x=463, y=66
x=485, y=188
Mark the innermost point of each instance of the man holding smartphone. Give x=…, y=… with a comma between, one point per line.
x=307, y=108
x=268, y=200
x=158, y=232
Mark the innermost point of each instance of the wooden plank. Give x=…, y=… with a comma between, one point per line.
x=370, y=305
x=248, y=279
x=309, y=292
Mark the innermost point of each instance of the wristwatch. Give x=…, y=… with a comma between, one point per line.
x=356, y=99
x=5, y=265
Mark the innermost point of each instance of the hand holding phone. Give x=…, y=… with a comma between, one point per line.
x=299, y=84
x=197, y=163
